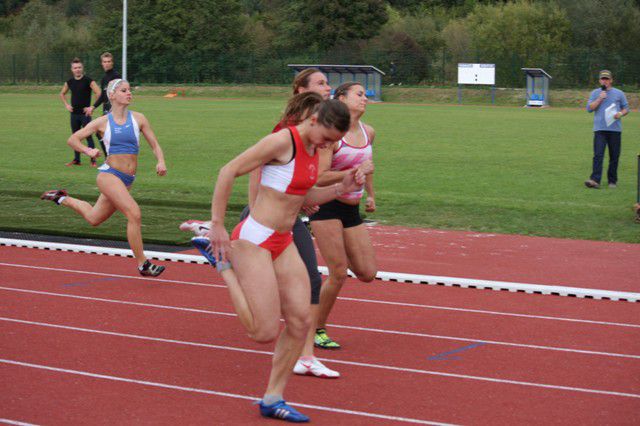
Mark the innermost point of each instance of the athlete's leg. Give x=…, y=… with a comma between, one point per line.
x=254, y=290
x=304, y=243
x=294, y=290
x=329, y=237
x=102, y=210
x=118, y=194
x=362, y=257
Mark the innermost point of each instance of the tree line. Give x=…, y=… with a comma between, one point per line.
x=253, y=40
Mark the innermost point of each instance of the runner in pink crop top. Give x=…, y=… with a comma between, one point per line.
x=347, y=156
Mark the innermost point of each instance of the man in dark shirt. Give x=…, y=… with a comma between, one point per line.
x=109, y=74
x=81, y=87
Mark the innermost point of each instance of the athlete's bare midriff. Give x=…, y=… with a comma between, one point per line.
x=126, y=163
x=276, y=210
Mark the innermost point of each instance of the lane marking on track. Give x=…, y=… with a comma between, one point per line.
x=351, y=299
x=492, y=342
x=447, y=355
x=122, y=302
x=381, y=275
x=343, y=362
x=480, y=311
x=347, y=327
x=15, y=422
x=130, y=277
x=217, y=393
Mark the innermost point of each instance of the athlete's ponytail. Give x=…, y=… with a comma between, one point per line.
x=300, y=107
x=333, y=113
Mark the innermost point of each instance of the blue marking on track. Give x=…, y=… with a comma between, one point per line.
x=83, y=283
x=446, y=355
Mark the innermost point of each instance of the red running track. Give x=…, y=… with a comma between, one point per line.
x=86, y=341
x=515, y=258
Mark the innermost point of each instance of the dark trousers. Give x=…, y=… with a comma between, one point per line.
x=78, y=121
x=602, y=139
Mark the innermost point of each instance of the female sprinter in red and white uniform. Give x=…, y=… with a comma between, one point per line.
x=271, y=278
x=340, y=233
x=310, y=80
x=121, y=129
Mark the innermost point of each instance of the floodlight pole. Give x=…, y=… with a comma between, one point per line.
x=124, y=39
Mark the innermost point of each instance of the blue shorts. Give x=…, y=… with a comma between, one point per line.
x=125, y=178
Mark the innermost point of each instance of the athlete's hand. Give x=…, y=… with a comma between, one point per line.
x=69, y=107
x=93, y=153
x=353, y=181
x=370, y=205
x=220, y=243
x=161, y=168
x=366, y=167
x=309, y=210
x=88, y=111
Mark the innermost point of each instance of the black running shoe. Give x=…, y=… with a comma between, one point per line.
x=148, y=269
x=54, y=195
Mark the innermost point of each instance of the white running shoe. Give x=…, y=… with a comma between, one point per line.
x=314, y=368
x=199, y=227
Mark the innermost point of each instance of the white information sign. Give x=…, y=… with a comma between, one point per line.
x=477, y=74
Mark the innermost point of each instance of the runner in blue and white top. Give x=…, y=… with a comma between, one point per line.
x=122, y=139
x=121, y=129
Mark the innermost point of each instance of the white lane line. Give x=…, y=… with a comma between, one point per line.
x=15, y=422
x=121, y=302
x=344, y=362
x=130, y=277
x=348, y=327
x=352, y=299
x=492, y=342
x=480, y=311
x=381, y=275
x=217, y=393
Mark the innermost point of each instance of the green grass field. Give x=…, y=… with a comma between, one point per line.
x=481, y=168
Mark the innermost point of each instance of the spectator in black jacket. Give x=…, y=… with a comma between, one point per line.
x=110, y=73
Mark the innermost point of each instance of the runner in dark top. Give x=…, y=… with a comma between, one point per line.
x=81, y=87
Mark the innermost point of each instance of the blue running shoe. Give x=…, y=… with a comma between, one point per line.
x=204, y=247
x=280, y=410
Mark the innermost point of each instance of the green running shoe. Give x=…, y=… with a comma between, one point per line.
x=321, y=340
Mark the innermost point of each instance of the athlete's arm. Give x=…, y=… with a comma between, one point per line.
x=75, y=140
x=147, y=131
x=63, y=96
x=275, y=147
x=352, y=181
x=328, y=177
x=370, y=204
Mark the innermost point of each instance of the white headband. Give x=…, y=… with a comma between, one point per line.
x=113, y=84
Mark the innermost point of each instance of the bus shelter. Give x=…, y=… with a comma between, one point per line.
x=537, y=87
x=369, y=76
